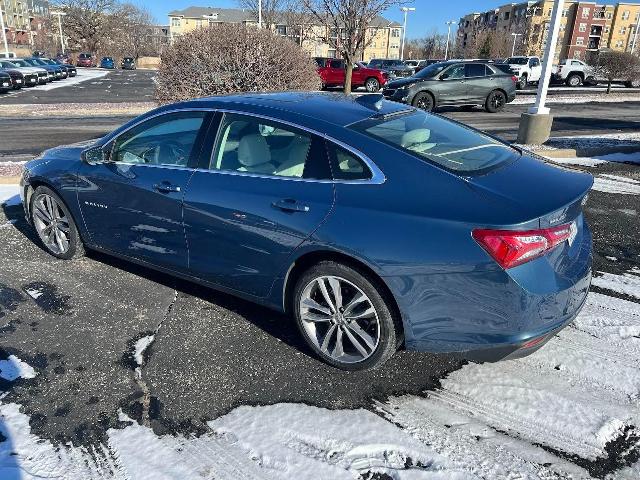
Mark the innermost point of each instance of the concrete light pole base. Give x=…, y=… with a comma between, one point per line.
x=535, y=128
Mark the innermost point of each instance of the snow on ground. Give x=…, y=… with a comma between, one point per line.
x=616, y=184
x=82, y=76
x=586, y=98
x=599, y=160
x=563, y=412
x=9, y=195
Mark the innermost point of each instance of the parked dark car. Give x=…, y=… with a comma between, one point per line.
x=395, y=68
x=425, y=63
x=64, y=58
x=107, y=62
x=86, y=60
x=5, y=82
x=454, y=83
x=374, y=224
x=71, y=70
x=18, y=78
x=128, y=63
x=39, y=53
x=55, y=70
x=42, y=75
x=332, y=73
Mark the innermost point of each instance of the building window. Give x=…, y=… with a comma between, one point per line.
x=175, y=22
x=281, y=30
x=625, y=15
x=585, y=12
x=619, y=44
x=198, y=23
x=623, y=30
x=395, y=32
x=607, y=29
x=580, y=41
x=565, y=12
x=506, y=15
x=609, y=15
x=583, y=27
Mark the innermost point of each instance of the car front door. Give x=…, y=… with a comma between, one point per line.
x=265, y=190
x=131, y=201
x=453, y=85
x=336, y=72
x=478, y=83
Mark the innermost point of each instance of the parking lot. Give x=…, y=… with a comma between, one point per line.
x=210, y=353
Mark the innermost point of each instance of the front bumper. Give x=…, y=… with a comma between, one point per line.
x=401, y=95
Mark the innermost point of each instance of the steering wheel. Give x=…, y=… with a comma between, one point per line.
x=172, y=153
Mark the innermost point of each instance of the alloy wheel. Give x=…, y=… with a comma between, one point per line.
x=497, y=101
x=340, y=319
x=425, y=103
x=51, y=224
x=372, y=85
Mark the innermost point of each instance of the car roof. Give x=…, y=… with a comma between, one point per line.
x=309, y=107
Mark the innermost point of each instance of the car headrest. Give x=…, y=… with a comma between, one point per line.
x=253, y=150
x=414, y=137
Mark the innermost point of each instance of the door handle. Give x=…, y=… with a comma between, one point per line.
x=166, y=187
x=290, y=205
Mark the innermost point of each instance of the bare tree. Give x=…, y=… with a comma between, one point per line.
x=613, y=65
x=347, y=23
x=132, y=30
x=432, y=46
x=86, y=21
x=270, y=9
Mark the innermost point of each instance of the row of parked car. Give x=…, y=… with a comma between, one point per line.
x=89, y=60
x=16, y=73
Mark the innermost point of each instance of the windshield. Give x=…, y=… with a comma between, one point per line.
x=517, y=61
x=84, y=55
x=450, y=145
x=19, y=63
x=431, y=71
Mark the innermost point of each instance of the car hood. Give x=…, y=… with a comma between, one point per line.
x=532, y=192
x=32, y=69
x=63, y=153
x=404, y=82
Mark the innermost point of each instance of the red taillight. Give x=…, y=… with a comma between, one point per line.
x=511, y=248
x=515, y=79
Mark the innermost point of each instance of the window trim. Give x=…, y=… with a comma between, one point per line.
x=377, y=176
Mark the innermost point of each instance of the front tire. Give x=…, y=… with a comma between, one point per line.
x=574, y=80
x=54, y=225
x=495, y=102
x=424, y=101
x=345, y=317
x=372, y=85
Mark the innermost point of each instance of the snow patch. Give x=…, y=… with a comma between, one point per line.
x=627, y=283
x=140, y=347
x=599, y=160
x=34, y=292
x=10, y=195
x=616, y=184
x=13, y=368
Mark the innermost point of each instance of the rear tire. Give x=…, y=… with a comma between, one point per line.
x=54, y=225
x=495, y=101
x=632, y=84
x=424, y=101
x=345, y=316
x=574, y=80
x=372, y=85
x=522, y=82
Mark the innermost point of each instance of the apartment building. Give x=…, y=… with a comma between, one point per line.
x=385, y=36
x=585, y=27
x=23, y=20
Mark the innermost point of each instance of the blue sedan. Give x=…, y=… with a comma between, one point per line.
x=374, y=224
x=107, y=62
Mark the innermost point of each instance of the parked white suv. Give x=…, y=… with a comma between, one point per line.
x=574, y=73
x=527, y=69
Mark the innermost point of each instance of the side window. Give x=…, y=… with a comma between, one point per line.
x=253, y=145
x=345, y=165
x=475, y=70
x=576, y=62
x=534, y=62
x=455, y=72
x=337, y=64
x=165, y=140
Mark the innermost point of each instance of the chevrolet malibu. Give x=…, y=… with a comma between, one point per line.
x=376, y=225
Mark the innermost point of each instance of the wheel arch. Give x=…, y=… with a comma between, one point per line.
x=308, y=259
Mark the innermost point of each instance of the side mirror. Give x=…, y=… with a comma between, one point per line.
x=94, y=155
x=356, y=67
x=444, y=76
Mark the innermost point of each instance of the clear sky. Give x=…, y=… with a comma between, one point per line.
x=429, y=14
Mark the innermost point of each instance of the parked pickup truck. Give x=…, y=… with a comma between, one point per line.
x=574, y=73
x=332, y=73
x=527, y=69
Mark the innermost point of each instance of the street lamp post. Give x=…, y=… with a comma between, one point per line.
x=60, y=15
x=535, y=125
x=515, y=37
x=4, y=34
x=446, y=51
x=259, y=13
x=635, y=34
x=404, y=28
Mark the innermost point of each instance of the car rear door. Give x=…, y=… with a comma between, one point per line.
x=263, y=192
x=132, y=203
x=478, y=83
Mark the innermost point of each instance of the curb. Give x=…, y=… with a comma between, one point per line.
x=582, y=151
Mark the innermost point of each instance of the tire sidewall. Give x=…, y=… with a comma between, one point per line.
x=75, y=243
x=576, y=78
x=389, y=331
x=421, y=95
x=488, y=105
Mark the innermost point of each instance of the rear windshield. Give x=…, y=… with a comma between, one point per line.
x=85, y=55
x=431, y=71
x=435, y=139
x=517, y=61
